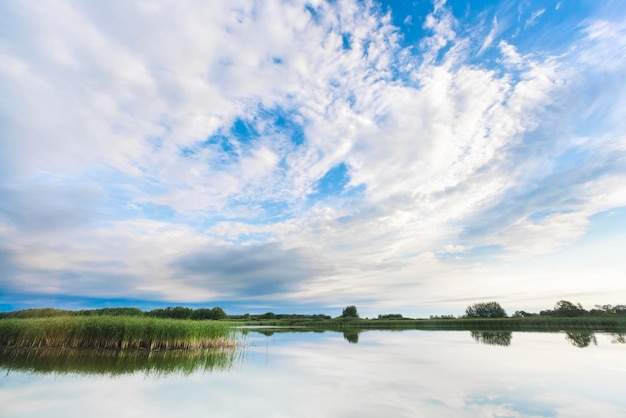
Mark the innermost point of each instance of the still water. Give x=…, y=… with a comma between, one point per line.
x=331, y=374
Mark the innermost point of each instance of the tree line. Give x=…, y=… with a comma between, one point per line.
x=562, y=308
x=492, y=309
x=178, y=312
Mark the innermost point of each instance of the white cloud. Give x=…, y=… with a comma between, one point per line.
x=444, y=154
x=491, y=36
x=532, y=20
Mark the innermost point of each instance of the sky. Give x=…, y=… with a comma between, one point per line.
x=407, y=157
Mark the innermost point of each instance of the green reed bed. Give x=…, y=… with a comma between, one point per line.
x=114, y=332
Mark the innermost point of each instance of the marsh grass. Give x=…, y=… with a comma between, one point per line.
x=538, y=323
x=115, y=332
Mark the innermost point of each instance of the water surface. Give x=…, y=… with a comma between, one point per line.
x=330, y=374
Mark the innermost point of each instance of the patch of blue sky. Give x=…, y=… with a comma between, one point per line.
x=333, y=183
x=540, y=215
x=607, y=223
x=156, y=212
x=409, y=18
x=315, y=16
x=286, y=122
x=346, y=40
x=334, y=186
x=240, y=134
x=224, y=144
x=571, y=158
x=121, y=202
x=219, y=142
x=275, y=211
x=534, y=26
x=244, y=131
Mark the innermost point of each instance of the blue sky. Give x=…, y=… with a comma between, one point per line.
x=410, y=157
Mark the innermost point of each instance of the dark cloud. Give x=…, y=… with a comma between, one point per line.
x=249, y=271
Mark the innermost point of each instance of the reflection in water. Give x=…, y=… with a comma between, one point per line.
x=351, y=335
x=117, y=362
x=581, y=339
x=493, y=337
x=404, y=374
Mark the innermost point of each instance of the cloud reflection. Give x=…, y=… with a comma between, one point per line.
x=391, y=374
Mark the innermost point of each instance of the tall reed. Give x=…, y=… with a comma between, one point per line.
x=114, y=332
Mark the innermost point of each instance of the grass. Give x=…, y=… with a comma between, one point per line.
x=114, y=332
x=538, y=323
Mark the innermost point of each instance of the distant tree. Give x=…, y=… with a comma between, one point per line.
x=390, y=316
x=218, y=313
x=202, y=314
x=350, y=312
x=485, y=310
x=608, y=310
x=268, y=315
x=178, y=312
x=442, y=317
x=567, y=308
x=114, y=312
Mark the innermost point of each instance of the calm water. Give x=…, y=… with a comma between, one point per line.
x=367, y=374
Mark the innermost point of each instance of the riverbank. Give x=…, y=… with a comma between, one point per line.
x=538, y=323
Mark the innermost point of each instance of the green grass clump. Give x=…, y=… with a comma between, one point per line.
x=114, y=332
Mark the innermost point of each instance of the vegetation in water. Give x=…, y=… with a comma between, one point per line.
x=117, y=362
x=493, y=337
x=114, y=332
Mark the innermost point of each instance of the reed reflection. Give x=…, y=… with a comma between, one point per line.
x=118, y=362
